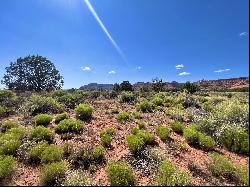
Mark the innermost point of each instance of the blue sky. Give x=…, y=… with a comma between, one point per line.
x=134, y=40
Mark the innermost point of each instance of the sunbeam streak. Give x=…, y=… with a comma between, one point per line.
x=92, y=10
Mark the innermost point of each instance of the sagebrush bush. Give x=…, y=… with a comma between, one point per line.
x=175, y=113
x=84, y=111
x=177, y=127
x=157, y=101
x=98, y=152
x=206, y=142
x=52, y=153
x=219, y=165
x=123, y=117
x=127, y=97
x=53, y=172
x=147, y=137
x=169, y=175
x=145, y=106
x=8, y=124
x=120, y=174
x=35, y=152
x=110, y=131
x=76, y=178
x=41, y=133
x=106, y=139
x=191, y=135
x=243, y=175
x=7, y=166
x=163, y=132
x=69, y=125
x=135, y=143
x=67, y=149
x=61, y=117
x=43, y=119
x=8, y=100
x=136, y=115
x=141, y=124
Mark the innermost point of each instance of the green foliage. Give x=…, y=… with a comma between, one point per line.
x=127, y=97
x=61, y=117
x=106, y=140
x=190, y=87
x=163, y=132
x=206, y=142
x=52, y=153
x=33, y=73
x=8, y=124
x=136, y=115
x=145, y=106
x=157, y=101
x=191, y=135
x=51, y=173
x=147, y=137
x=84, y=111
x=126, y=86
x=35, y=152
x=110, y=131
x=7, y=166
x=135, y=143
x=120, y=174
x=243, y=174
x=177, y=127
x=220, y=165
x=76, y=178
x=123, y=117
x=41, y=133
x=8, y=101
x=69, y=125
x=67, y=148
x=98, y=152
x=175, y=113
x=169, y=175
x=43, y=119
x=141, y=124
x=157, y=85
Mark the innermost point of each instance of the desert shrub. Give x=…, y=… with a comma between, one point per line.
x=187, y=100
x=147, y=137
x=175, y=113
x=8, y=124
x=35, y=152
x=41, y=133
x=61, y=117
x=191, y=135
x=157, y=101
x=16, y=132
x=135, y=143
x=163, y=132
x=43, y=119
x=120, y=174
x=169, y=175
x=177, y=127
x=110, y=131
x=7, y=102
x=67, y=148
x=127, y=97
x=37, y=104
x=145, y=106
x=235, y=139
x=106, y=139
x=243, y=175
x=123, y=117
x=84, y=111
x=76, y=178
x=136, y=115
x=206, y=142
x=7, y=166
x=220, y=165
x=141, y=124
x=52, y=153
x=69, y=125
x=53, y=172
x=98, y=152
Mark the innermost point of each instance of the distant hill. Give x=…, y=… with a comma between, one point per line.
x=232, y=83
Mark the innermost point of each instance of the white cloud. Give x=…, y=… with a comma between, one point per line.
x=86, y=68
x=139, y=67
x=112, y=72
x=243, y=34
x=179, y=66
x=221, y=70
x=184, y=73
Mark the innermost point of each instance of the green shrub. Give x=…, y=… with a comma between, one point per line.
x=141, y=124
x=84, y=111
x=136, y=115
x=43, y=119
x=145, y=106
x=221, y=166
x=163, y=132
x=127, y=97
x=61, y=117
x=243, y=175
x=16, y=132
x=175, y=113
x=157, y=101
x=69, y=125
x=67, y=148
x=114, y=111
x=110, y=131
x=7, y=166
x=106, y=140
x=135, y=143
x=135, y=130
x=169, y=175
x=8, y=124
x=35, y=152
x=177, y=127
x=76, y=178
x=53, y=172
x=52, y=153
x=206, y=142
x=191, y=135
x=147, y=137
x=120, y=174
x=41, y=133
x=123, y=117
x=98, y=152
